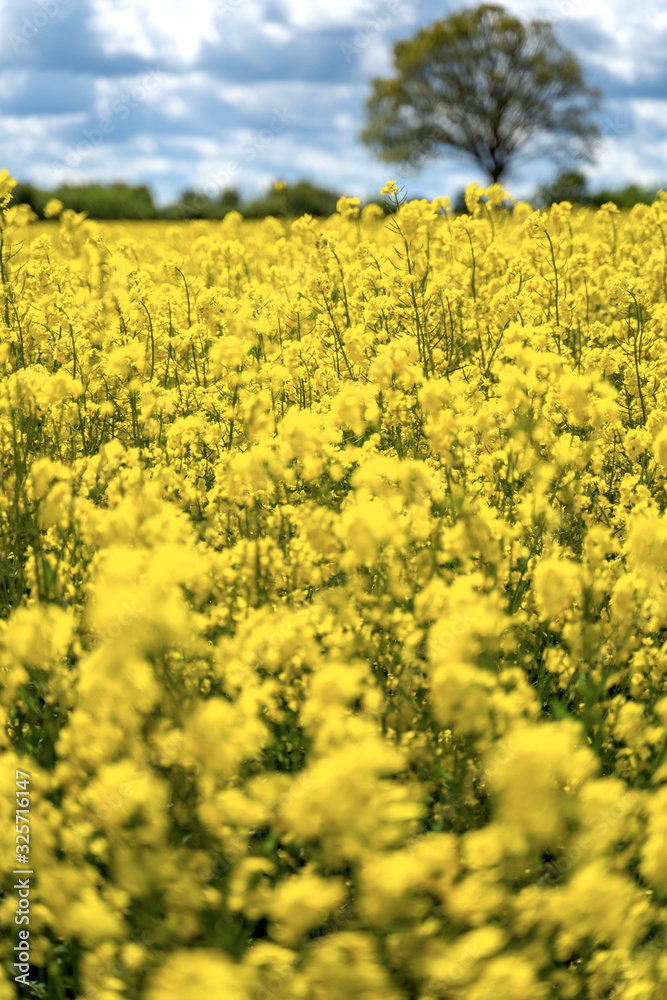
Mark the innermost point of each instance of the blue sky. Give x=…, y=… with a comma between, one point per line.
x=210, y=93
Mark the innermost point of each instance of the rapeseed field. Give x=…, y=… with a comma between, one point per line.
x=333, y=556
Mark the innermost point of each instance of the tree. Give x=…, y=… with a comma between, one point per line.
x=487, y=86
x=570, y=185
x=291, y=200
x=626, y=197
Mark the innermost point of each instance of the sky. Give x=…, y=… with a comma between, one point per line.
x=208, y=94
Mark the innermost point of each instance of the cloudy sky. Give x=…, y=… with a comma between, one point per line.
x=211, y=93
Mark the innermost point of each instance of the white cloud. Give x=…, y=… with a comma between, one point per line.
x=650, y=111
x=37, y=126
x=635, y=35
x=242, y=98
x=236, y=21
x=12, y=83
x=145, y=144
x=173, y=29
x=343, y=121
x=309, y=15
x=130, y=91
x=623, y=163
x=376, y=59
x=175, y=107
x=276, y=32
x=620, y=64
x=607, y=15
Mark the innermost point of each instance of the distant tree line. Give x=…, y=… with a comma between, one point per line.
x=572, y=186
x=124, y=201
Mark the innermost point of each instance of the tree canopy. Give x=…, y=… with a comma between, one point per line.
x=485, y=85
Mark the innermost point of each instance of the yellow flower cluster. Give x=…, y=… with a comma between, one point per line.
x=334, y=602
